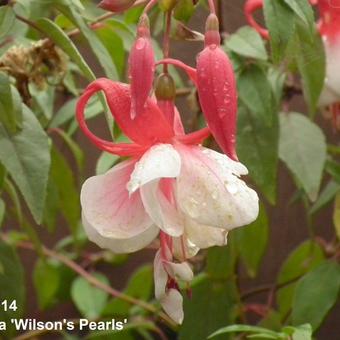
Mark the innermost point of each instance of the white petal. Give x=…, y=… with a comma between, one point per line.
x=183, y=248
x=331, y=91
x=109, y=209
x=204, y=236
x=160, y=161
x=210, y=193
x=172, y=304
x=181, y=271
x=160, y=276
x=120, y=246
x=163, y=213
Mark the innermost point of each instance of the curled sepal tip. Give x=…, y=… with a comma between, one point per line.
x=141, y=67
x=116, y=5
x=217, y=90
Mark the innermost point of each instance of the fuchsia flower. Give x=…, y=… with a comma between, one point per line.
x=329, y=28
x=170, y=185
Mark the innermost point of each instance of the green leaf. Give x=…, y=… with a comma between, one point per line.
x=303, y=10
x=60, y=38
x=7, y=109
x=96, y=45
x=245, y=329
x=280, y=20
x=336, y=215
x=248, y=43
x=327, y=194
x=7, y=20
x=304, y=258
x=258, y=130
x=2, y=211
x=46, y=282
x=310, y=56
x=63, y=177
x=252, y=242
x=140, y=286
x=105, y=162
x=28, y=168
x=89, y=300
x=315, y=294
x=12, y=286
x=303, y=332
x=212, y=306
x=333, y=168
x=303, y=149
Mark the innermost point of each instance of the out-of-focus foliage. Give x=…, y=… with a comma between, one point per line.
x=50, y=50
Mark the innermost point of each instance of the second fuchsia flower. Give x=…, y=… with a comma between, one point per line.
x=170, y=185
x=329, y=28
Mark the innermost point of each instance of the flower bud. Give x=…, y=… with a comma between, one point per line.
x=116, y=5
x=217, y=89
x=165, y=88
x=141, y=67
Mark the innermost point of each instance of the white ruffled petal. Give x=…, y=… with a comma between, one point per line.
x=209, y=191
x=120, y=246
x=160, y=161
x=160, y=276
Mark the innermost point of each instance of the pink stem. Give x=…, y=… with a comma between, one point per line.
x=149, y=6
x=212, y=6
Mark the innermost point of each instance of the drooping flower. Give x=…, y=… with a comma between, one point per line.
x=329, y=28
x=170, y=185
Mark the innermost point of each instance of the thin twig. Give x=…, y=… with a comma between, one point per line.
x=95, y=282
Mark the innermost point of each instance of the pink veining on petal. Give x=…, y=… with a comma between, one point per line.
x=141, y=68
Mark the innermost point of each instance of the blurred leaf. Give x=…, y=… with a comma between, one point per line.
x=303, y=149
x=315, y=294
x=280, y=20
x=7, y=20
x=2, y=211
x=246, y=329
x=336, y=215
x=60, y=38
x=310, y=57
x=96, y=45
x=258, y=131
x=89, y=300
x=184, y=10
x=140, y=286
x=46, y=282
x=10, y=106
x=302, y=259
x=303, y=332
x=248, y=43
x=326, y=195
x=44, y=100
x=303, y=10
x=12, y=286
x=114, y=45
x=74, y=148
x=62, y=176
x=105, y=162
x=333, y=168
x=213, y=305
x=252, y=242
x=277, y=80
x=28, y=168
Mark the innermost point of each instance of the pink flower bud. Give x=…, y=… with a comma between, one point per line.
x=141, y=67
x=116, y=5
x=217, y=89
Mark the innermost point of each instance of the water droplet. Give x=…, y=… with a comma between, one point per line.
x=140, y=44
x=232, y=188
